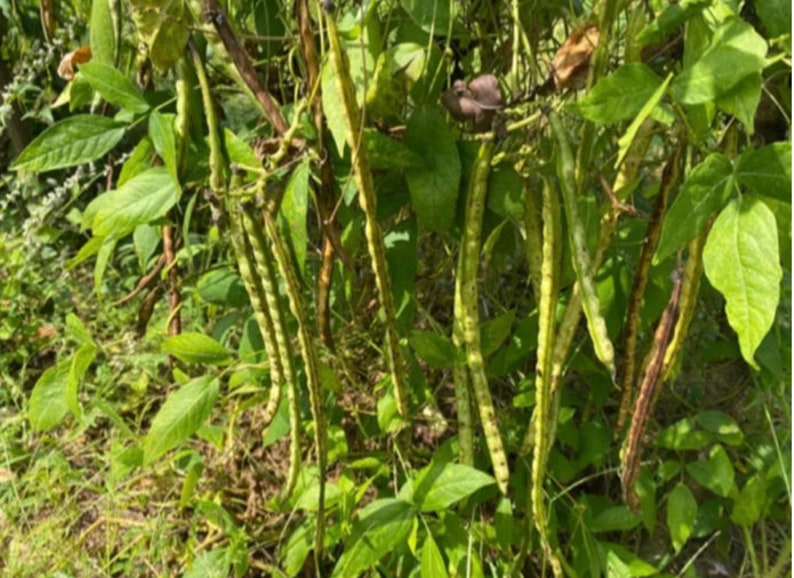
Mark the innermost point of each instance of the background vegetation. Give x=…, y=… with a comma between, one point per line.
x=395, y=288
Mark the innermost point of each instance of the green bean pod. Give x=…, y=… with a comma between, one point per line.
x=367, y=200
x=533, y=236
x=580, y=255
x=311, y=364
x=269, y=283
x=469, y=314
x=460, y=377
x=547, y=306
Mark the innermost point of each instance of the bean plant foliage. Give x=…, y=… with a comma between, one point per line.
x=395, y=288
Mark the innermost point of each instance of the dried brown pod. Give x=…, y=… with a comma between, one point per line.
x=69, y=61
x=478, y=101
x=571, y=64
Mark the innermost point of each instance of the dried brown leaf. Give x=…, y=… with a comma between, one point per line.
x=68, y=62
x=571, y=64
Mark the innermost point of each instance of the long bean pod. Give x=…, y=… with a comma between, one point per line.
x=469, y=316
x=580, y=255
x=367, y=200
x=547, y=306
x=267, y=277
x=311, y=364
x=460, y=377
x=632, y=325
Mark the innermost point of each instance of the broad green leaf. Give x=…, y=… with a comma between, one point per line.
x=493, y=332
x=615, y=518
x=240, y=152
x=616, y=568
x=436, y=350
x=624, y=143
x=377, y=530
x=163, y=26
x=396, y=70
x=716, y=473
x=145, y=239
x=161, y=131
x=401, y=257
x=767, y=171
x=506, y=192
x=704, y=192
x=742, y=100
x=103, y=256
x=749, y=503
x=209, y=564
x=619, y=96
x=387, y=153
x=139, y=160
x=671, y=18
x=222, y=287
x=682, y=509
x=736, y=51
x=47, y=405
x=102, y=32
x=269, y=27
x=775, y=15
x=432, y=563
x=73, y=141
x=683, y=435
x=434, y=185
x=741, y=261
x=183, y=412
x=723, y=426
x=196, y=348
x=429, y=15
x=504, y=524
x=297, y=547
x=76, y=329
x=146, y=197
x=453, y=483
x=81, y=361
x=294, y=209
x=637, y=567
x=113, y=86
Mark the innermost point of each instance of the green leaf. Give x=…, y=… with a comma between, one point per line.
x=741, y=261
x=387, y=153
x=619, y=96
x=637, y=567
x=103, y=256
x=209, y=564
x=182, y=414
x=736, y=51
x=81, y=361
x=716, y=473
x=161, y=131
x=113, y=86
x=379, y=528
x=671, y=18
x=494, y=332
x=682, y=435
x=396, y=70
x=704, y=192
x=504, y=524
x=766, y=171
x=434, y=185
x=401, y=257
x=146, y=197
x=682, y=510
x=73, y=141
x=139, y=160
x=294, y=209
x=47, y=405
x=775, y=15
x=222, y=287
x=297, y=548
x=145, y=239
x=613, y=519
x=749, y=504
x=102, y=32
x=742, y=100
x=77, y=330
x=196, y=348
x=436, y=350
x=269, y=27
x=624, y=143
x=506, y=192
x=432, y=563
x=450, y=485
x=429, y=15
x=723, y=426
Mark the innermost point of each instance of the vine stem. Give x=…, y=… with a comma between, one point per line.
x=367, y=200
x=468, y=314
